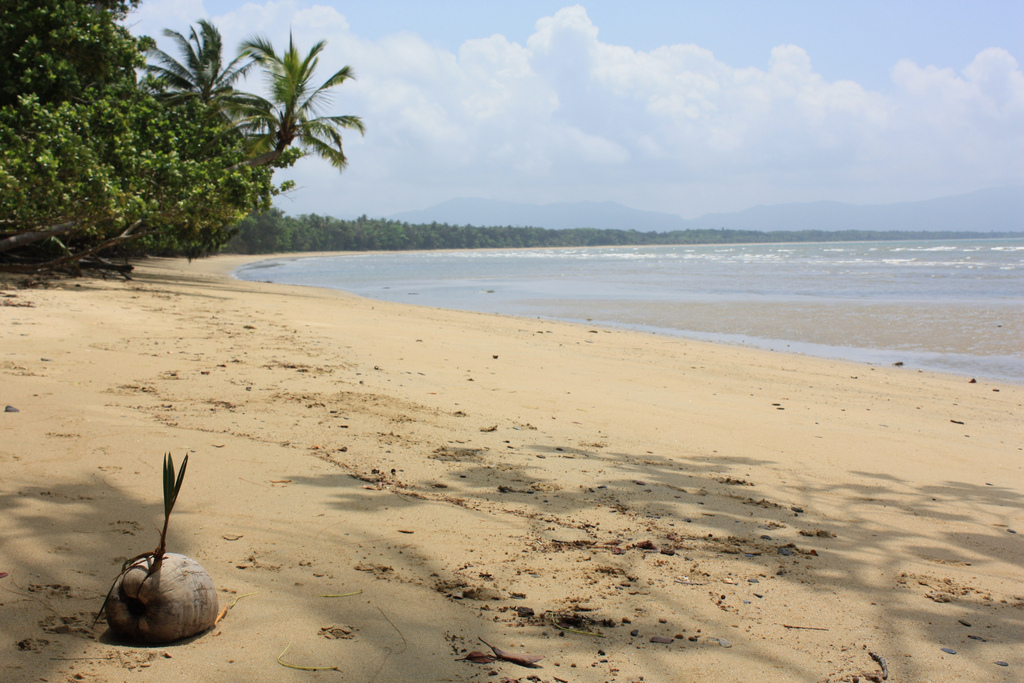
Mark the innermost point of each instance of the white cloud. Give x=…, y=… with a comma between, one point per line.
x=152, y=17
x=566, y=116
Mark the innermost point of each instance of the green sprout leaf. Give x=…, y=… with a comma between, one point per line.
x=172, y=486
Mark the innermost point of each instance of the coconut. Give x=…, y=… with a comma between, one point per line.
x=160, y=597
x=160, y=602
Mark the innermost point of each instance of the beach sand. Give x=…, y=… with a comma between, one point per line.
x=554, y=489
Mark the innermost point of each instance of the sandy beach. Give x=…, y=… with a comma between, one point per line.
x=377, y=487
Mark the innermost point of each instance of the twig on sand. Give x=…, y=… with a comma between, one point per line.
x=79, y=659
x=405, y=644
x=303, y=668
x=804, y=628
x=554, y=622
x=224, y=611
x=881, y=662
x=341, y=595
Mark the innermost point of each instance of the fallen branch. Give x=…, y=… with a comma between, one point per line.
x=127, y=236
x=804, y=628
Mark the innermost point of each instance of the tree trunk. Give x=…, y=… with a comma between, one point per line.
x=261, y=160
x=20, y=240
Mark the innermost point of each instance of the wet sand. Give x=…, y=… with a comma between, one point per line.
x=555, y=489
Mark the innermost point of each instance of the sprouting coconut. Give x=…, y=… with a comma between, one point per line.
x=160, y=597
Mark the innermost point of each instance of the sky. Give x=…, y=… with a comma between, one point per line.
x=682, y=107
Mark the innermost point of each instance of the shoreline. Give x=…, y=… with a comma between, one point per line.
x=929, y=346
x=453, y=467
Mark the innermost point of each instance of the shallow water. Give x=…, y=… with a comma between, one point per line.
x=953, y=306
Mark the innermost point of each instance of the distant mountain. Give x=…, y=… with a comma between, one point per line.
x=991, y=210
x=998, y=209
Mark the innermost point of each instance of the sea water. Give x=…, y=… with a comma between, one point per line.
x=953, y=306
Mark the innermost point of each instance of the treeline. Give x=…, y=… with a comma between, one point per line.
x=274, y=232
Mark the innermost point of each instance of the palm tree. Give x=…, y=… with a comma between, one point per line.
x=291, y=116
x=200, y=74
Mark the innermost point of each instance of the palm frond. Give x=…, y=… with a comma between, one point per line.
x=333, y=154
x=170, y=71
x=343, y=74
x=351, y=122
x=233, y=71
x=321, y=97
x=200, y=73
x=258, y=47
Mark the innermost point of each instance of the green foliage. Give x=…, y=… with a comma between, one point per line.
x=57, y=49
x=123, y=165
x=274, y=232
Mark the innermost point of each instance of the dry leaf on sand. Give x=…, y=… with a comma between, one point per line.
x=478, y=657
